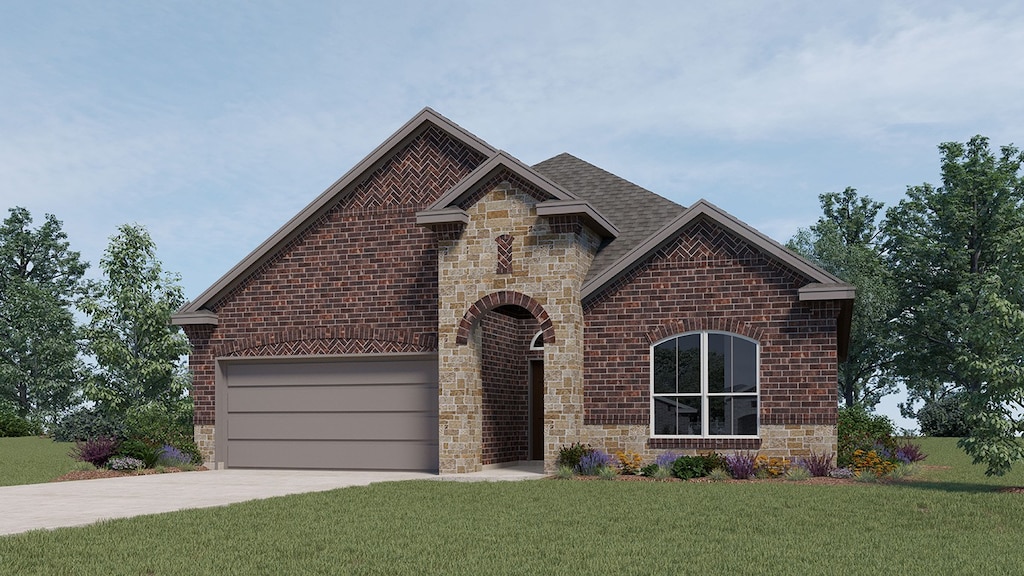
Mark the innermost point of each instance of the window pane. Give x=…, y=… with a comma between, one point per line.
x=744, y=366
x=665, y=367
x=689, y=364
x=732, y=415
x=677, y=415
x=717, y=355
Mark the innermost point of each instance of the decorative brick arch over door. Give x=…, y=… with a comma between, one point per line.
x=504, y=298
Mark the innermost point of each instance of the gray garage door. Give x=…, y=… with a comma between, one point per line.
x=351, y=414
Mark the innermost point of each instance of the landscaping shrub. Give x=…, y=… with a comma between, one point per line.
x=125, y=463
x=719, y=475
x=797, y=473
x=666, y=459
x=189, y=447
x=841, y=473
x=570, y=455
x=14, y=426
x=773, y=467
x=171, y=456
x=908, y=452
x=859, y=429
x=141, y=450
x=592, y=462
x=629, y=462
x=686, y=467
x=158, y=424
x=740, y=465
x=87, y=423
x=96, y=451
x=817, y=464
x=870, y=461
x=650, y=470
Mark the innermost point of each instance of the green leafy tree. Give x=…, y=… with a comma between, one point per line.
x=959, y=250
x=846, y=241
x=40, y=278
x=138, y=353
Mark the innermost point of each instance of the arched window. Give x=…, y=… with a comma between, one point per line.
x=704, y=384
x=538, y=341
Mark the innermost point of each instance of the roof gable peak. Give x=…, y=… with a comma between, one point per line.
x=293, y=227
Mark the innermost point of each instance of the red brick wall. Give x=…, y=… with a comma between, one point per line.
x=709, y=280
x=362, y=278
x=505, y=382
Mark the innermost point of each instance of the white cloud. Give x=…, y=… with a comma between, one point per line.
x=212, y=125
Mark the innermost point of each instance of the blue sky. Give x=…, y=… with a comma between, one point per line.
x=213, y=123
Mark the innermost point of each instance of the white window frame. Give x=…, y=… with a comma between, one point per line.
x=704, y=395
x=537, y=342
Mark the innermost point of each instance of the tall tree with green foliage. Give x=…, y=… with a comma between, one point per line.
x=137, y=352
x=40, y=279
x=846, y=241
x=959, y=250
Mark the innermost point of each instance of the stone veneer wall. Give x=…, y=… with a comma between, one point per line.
x=707, y=279
x=549, y=260
x=785, y=440
x=204, y=437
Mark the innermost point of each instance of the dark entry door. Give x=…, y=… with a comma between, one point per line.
x=536, y=410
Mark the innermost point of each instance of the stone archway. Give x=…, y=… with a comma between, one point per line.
x=502, y=299
x=502, y=325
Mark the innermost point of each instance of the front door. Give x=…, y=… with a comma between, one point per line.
x=536, y=410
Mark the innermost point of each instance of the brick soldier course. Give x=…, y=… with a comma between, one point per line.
x=438, y=245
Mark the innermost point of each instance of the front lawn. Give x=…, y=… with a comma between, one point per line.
x=33, y=459
x=946, y=521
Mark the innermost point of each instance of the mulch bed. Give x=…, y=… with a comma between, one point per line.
x=94, y=474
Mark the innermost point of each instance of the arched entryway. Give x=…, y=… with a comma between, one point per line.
x=509, y=330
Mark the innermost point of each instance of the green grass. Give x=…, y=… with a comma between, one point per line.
x=33, y=459
x=951, y=521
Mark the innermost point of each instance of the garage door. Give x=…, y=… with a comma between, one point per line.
x=378, y=414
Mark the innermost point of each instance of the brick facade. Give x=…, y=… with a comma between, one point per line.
x=707, y=279
x=504, y=386
x=360, y=278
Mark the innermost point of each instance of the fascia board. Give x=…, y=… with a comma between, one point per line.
x=204, y=317
x=819, y=291
x=446, y=216
x=591, y=216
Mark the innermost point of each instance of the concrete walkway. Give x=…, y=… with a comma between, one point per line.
x=59, y=504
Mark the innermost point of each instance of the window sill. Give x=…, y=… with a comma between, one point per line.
x=706, y=443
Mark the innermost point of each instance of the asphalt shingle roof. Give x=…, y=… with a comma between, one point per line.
x=636, y=212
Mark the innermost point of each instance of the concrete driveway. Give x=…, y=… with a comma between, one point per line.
x=58, y=504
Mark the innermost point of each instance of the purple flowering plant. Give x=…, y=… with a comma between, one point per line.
x=740, y=465
x=171, y=456
x=666, y=459
x=592, y=463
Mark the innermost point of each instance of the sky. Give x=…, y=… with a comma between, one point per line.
x=212, y=123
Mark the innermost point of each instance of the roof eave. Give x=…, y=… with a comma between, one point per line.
x=594, y=219
x=442, y=216
x=202, y=317
x=816, y=291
